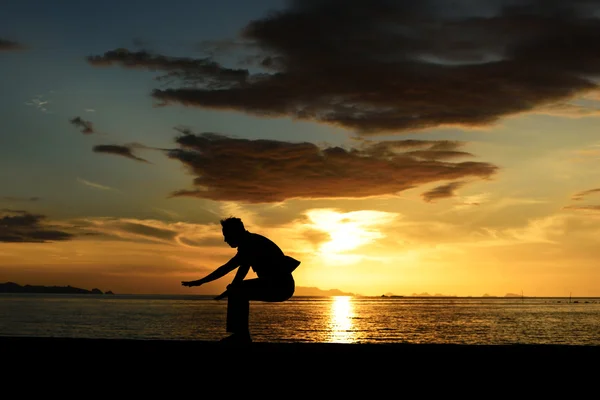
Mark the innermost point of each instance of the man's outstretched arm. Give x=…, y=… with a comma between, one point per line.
x=216, y=274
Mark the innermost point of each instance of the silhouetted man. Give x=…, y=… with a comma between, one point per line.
x=274, y=282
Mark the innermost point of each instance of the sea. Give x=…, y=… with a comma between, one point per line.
x=332, y=319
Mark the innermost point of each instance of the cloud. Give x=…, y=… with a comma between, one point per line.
x=268, y=171
x=438, y=155
x=506, y=202
x=556, y=229
x=443, y=191
x=86, y=126
x=152, y=231
x=170, y=213
x=203, y=71
x=40, y=104
x=485, y=203
x=393, y=66
x=124, y=151
x=19, y=199
x=18, y=226
x=583, y=208
x=9, y=45
x=467, y=202
x=581, y=195
x=94, y=185
x=569, y=110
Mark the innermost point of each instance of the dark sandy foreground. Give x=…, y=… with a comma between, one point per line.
x=150, y=366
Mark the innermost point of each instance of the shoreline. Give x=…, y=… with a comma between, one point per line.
x=369, y=351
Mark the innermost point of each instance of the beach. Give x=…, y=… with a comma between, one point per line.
x=200, y=362
x=172, y=350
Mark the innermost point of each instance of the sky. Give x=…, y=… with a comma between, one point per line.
x=393, y=147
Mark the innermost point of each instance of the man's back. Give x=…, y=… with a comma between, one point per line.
x=262, y=254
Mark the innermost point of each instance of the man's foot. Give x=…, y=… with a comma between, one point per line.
x=237, y=338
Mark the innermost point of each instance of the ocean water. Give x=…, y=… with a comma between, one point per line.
x=308, y=319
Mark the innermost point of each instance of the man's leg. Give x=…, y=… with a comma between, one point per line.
x=238, y=310
x=240, y=295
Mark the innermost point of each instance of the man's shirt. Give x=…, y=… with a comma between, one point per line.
x=262, y=254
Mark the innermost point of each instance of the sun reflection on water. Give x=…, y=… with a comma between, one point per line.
x=341, y=325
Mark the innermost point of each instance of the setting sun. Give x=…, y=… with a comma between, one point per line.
x=347, y=231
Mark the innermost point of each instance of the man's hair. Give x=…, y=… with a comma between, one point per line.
x=233, y=224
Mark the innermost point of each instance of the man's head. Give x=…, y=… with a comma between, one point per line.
x=233, y=231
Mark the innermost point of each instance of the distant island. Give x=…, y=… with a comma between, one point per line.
x=11, y=287
x=425, y=294
x=313, y=291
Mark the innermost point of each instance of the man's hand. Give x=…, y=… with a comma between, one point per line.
x=221, y=296
x=190, y=283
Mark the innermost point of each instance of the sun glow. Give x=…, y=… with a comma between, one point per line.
x=347, y=231
x=341, y=325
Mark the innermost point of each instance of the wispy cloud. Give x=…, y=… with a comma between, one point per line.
x=94, y=185
x=583, y=208
x=485, y=202
x=383, y=66
x=505, y=202
x=119, y=150
x=467, y=202
x=39, y=103
x=170, y=213
x=570, y=110
x=152, y=231
x=268, y=171
x=585, y=193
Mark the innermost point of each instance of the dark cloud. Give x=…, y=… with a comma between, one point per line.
x=391, y=66
x=439, y=155
x=443, y=191
x=86, y=126
x=18, y=226
x=9, y=45
x=124, y=151
x=197, y=71
x=262, y=171
x=19, y=199
x=581, y=195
